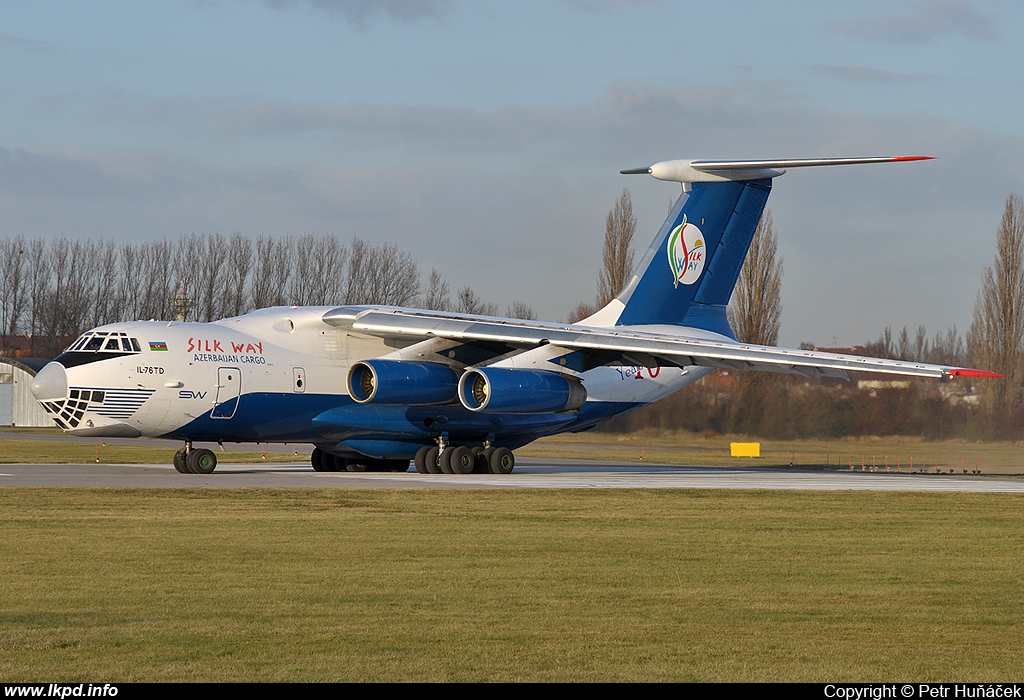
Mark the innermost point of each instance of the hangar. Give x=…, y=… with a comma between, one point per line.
x=18, y=408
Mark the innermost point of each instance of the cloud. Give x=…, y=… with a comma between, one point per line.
x=923, y=21
x=875, y=76
x=363, y=12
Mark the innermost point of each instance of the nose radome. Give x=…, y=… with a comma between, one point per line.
x=51, y=383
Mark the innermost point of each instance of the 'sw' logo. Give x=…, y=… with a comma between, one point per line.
x=685, y=253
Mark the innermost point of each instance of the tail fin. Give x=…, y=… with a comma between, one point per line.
x=688, y=273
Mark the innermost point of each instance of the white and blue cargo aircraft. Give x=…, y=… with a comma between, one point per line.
x=373, y=387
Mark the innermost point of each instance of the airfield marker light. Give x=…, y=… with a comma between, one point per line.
x=97, y=454
x=887, y=464
x=295, y=450
x=899, y=464
x=263, y=451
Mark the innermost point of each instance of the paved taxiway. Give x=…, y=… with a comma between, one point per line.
x=529, y=473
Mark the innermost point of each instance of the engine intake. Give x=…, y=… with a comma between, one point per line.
x=399, y=382
x=503, y=390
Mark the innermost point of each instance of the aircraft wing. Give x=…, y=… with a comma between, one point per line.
x=625, y=345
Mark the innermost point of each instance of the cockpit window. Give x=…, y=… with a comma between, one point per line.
x=106, y=342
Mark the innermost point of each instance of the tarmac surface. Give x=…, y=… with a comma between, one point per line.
x=529, y=473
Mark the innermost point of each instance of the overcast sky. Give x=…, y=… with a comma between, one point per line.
x=486, y=137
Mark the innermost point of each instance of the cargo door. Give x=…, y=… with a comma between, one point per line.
x=229, y=390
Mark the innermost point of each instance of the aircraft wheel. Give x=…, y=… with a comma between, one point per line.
x=420, y=460
x=462, y=461
x=431, y=462
x=444, y=460
x=502, y=461
x=201, y=461
x=179, y=462
x=317, y=460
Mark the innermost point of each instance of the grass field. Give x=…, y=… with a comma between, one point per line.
x=452, y=585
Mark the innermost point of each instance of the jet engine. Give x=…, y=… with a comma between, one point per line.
x=503, y=390
x=400, y=382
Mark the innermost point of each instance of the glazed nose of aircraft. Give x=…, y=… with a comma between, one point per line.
x=51, y=383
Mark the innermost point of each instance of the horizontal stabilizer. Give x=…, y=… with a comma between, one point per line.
x=688, y=171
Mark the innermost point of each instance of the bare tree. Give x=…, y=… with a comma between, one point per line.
x=394, y=276
x=996, y=338
x=467, y=302
x=157, y=281
x=436, y=297
x=903, y=347
x=381, y=275
x=271, y=272
x=301, y=292
x=582, y=310
x=921, y=347
x=107, y=302
x=617, y=254
x=520, y=309
x=755, y=311
x=948, y=349
x=13, y=252
x=39, y=287
x=328, y=269
x=236, y=275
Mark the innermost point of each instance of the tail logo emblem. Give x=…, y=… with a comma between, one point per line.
x=686, y=253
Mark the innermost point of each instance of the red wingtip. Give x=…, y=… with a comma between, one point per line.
x=972, y=373
x=898, y=159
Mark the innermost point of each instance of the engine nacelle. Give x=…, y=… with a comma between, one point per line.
x=401, y=382
x=503, y=390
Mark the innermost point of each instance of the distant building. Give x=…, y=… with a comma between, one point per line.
x=18, y=408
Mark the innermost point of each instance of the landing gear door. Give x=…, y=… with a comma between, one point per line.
x=229, y=388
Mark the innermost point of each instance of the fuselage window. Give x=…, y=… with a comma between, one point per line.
x=135, y=345
x=94, y=344
x=126, y=345
x=112, y=344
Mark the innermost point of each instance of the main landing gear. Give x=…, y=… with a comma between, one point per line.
x=326, y=462
x=446, y=459
x=194, y=461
